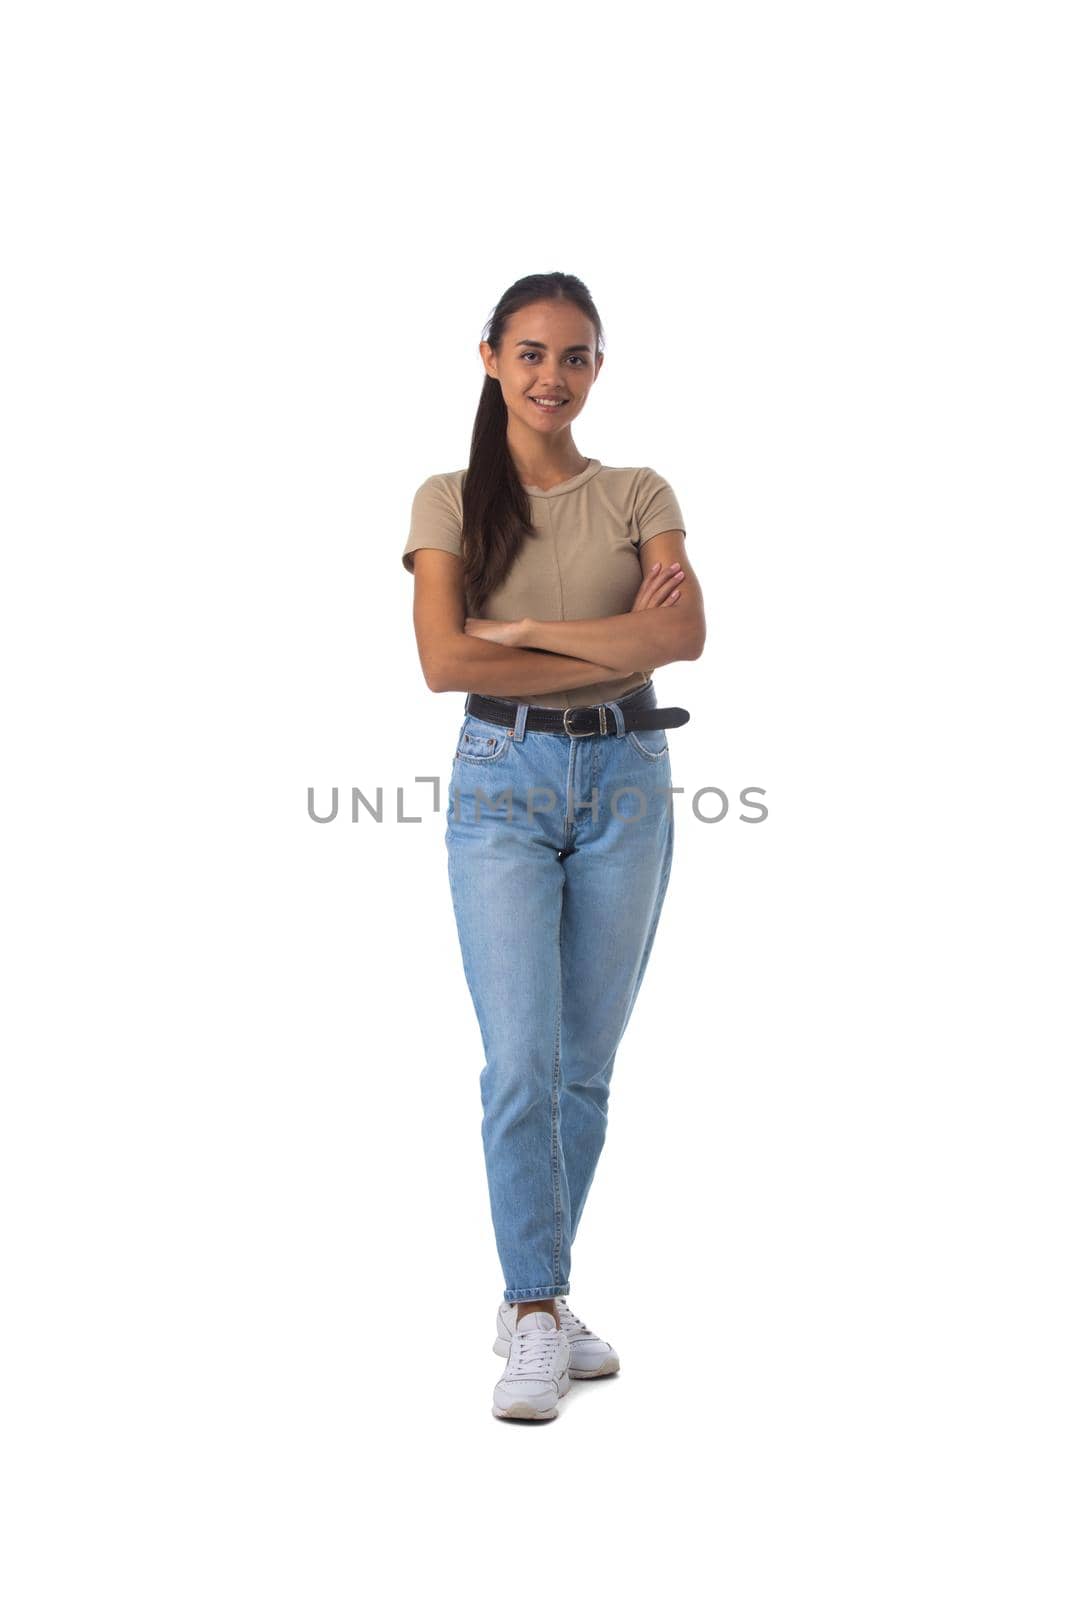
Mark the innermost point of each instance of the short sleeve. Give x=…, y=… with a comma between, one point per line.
x=656, y=508
x=436, y=519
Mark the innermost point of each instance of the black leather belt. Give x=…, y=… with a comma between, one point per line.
x=578, y=721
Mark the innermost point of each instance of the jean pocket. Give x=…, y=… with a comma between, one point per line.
x=649, y=742
x=481, y=742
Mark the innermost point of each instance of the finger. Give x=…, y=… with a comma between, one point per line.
x=667, y=586
x=642, y=599
x=669, y=574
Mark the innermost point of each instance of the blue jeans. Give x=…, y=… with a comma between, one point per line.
x=559, y=853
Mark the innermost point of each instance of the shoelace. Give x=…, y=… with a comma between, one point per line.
x=532, y=1351
x=570, y=1323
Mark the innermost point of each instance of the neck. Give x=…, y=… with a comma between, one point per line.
x=543, y=461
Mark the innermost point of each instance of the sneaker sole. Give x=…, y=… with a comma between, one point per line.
x=522, y=1410
x=502, y=1347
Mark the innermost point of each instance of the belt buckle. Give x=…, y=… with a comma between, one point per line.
x=576, y=733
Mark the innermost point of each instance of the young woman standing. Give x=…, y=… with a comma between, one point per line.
x=548, y=587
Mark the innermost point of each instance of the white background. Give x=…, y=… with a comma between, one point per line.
x=248, y=1267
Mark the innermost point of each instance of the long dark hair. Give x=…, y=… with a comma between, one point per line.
x=496, y=507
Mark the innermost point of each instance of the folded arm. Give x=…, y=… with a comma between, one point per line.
x=635, y=641
x=451, y=659
x=503, y=669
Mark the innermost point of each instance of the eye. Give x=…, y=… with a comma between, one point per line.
x=535, y=353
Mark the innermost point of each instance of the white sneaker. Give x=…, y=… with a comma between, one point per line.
x=590, y=1357
x=536, y=1373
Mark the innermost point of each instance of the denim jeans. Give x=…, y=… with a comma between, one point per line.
x=559, y=853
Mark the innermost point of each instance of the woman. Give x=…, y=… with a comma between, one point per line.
x=560, y=824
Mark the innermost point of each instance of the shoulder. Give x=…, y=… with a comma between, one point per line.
x=436, y=515
x=443, y=486
x=639, y=486
x=440, y=495
x=645, y=498
x=634, y=482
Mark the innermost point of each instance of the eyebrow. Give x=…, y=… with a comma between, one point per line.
x=537, y=345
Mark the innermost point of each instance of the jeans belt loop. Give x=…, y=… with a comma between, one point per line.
x=617, y=712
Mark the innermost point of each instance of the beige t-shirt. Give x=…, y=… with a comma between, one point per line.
x=582, y=560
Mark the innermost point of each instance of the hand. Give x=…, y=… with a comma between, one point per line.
x=495, y=632
x=659, y=588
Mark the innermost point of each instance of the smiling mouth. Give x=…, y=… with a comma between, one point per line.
x=548, y=405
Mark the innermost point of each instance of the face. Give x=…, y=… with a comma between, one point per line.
x=547, y=352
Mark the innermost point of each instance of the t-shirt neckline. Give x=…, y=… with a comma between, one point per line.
x=568, y=484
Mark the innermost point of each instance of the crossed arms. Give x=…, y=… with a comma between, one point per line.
x=666, y=623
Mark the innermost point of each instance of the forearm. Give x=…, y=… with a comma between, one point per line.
x=480, y=666
x=635, y=641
